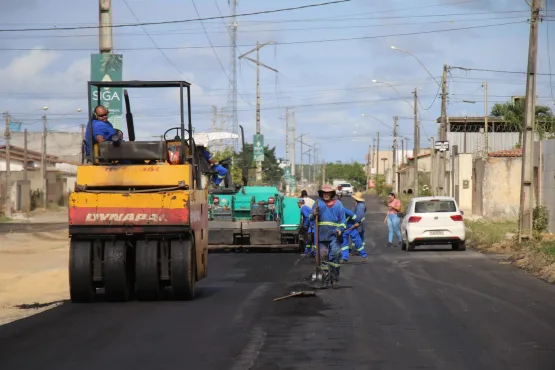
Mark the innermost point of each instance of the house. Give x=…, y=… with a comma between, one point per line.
x=26, y=180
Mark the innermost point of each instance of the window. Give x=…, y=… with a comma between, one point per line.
x=431, y=206
x=345, y=185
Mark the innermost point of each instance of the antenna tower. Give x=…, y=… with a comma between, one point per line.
x=232, y=99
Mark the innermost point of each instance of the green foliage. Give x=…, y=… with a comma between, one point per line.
x=235, y=166
x=485, y=233
x=425, y=191
x=351, y=172
x=540, y=221
x=548, y=249
x=513, y=114
x=271, y=173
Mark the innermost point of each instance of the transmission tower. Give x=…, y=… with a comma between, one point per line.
x=232, y=100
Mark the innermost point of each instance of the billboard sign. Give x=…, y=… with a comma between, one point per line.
x=108, y=67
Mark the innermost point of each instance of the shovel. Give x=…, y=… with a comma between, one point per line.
x=305, y=293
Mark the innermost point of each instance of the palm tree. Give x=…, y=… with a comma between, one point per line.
x=514, y=115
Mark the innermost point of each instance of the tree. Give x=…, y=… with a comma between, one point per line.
x=513, y=114
x=235, y=166
x=353, y=173
x=271, y=173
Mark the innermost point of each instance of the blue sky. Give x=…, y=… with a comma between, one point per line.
x=328, y=84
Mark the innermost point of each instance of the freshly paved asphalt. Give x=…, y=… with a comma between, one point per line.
x=402, y=310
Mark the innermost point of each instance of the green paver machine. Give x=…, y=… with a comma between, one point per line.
x=252, y=216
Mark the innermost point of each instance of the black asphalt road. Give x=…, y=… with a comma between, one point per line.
x=402, y=310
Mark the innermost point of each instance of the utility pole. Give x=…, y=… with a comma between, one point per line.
x=373, y=152
x=287, y=158
x=368, y=169
x=416, y=143
x=232, y=99
x=105, y=31
x=442, y=131
x=527, y=175
x=7, y=193
x=378, y=156
x=302, y=163
x=434, y=165
x=43, y=163
x=25, y=154
x=258, y=64
x=323, y=171
x=486, y=141
x=403, y=151
x=394, y=165
x=293, y=188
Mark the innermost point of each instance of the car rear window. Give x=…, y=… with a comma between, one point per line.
x=432, y=206
x=345, y=185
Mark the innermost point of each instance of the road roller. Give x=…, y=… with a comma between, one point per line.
x=138, y=216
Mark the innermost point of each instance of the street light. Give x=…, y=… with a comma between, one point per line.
x=419, y=61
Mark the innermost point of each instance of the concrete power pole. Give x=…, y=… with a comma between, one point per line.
x=416, y=143
x=486, y=113
x=373, y=152
x=527, y=175
x=394, y=165
x=378, y=156
x=105, y=31
x=323, y=171
x=443, y=132
x=7, y=190
x=293, y=140
x=368, y=169
x=25, y=154
x=403, y=151
x=302, y=162
x=43, y=163
x=258, y=64
x=287, y=158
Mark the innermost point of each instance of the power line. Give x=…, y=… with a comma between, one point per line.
x=175, y=21
x=498, y=71
x=178, y=32
x=154, y=42
x=283, y=43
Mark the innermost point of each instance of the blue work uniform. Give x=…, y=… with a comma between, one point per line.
x=330, y=220
x=308, y=224
x=351, y=219
x=360, y=212
x=218, y=177
x=105, y=129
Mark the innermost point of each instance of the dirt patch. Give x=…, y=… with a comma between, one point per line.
x=499, y=237
x=33, y=273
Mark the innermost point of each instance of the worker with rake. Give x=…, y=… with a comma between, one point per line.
x=329, y=214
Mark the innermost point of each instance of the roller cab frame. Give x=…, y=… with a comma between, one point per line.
x=138, y=217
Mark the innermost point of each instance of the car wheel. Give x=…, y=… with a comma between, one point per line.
x=460, y=246
x=410, y=247
x=403, y=245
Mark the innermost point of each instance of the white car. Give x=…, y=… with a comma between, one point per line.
x=344, y=188
x=433, y=221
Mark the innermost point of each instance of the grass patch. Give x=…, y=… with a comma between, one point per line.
x=548, y=249
x=4, y=219
x=485, y=234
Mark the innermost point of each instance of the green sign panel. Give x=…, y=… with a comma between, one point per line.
x=108, y=67
x=258, y=148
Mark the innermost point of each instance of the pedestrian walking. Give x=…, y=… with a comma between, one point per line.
x=392, y=219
